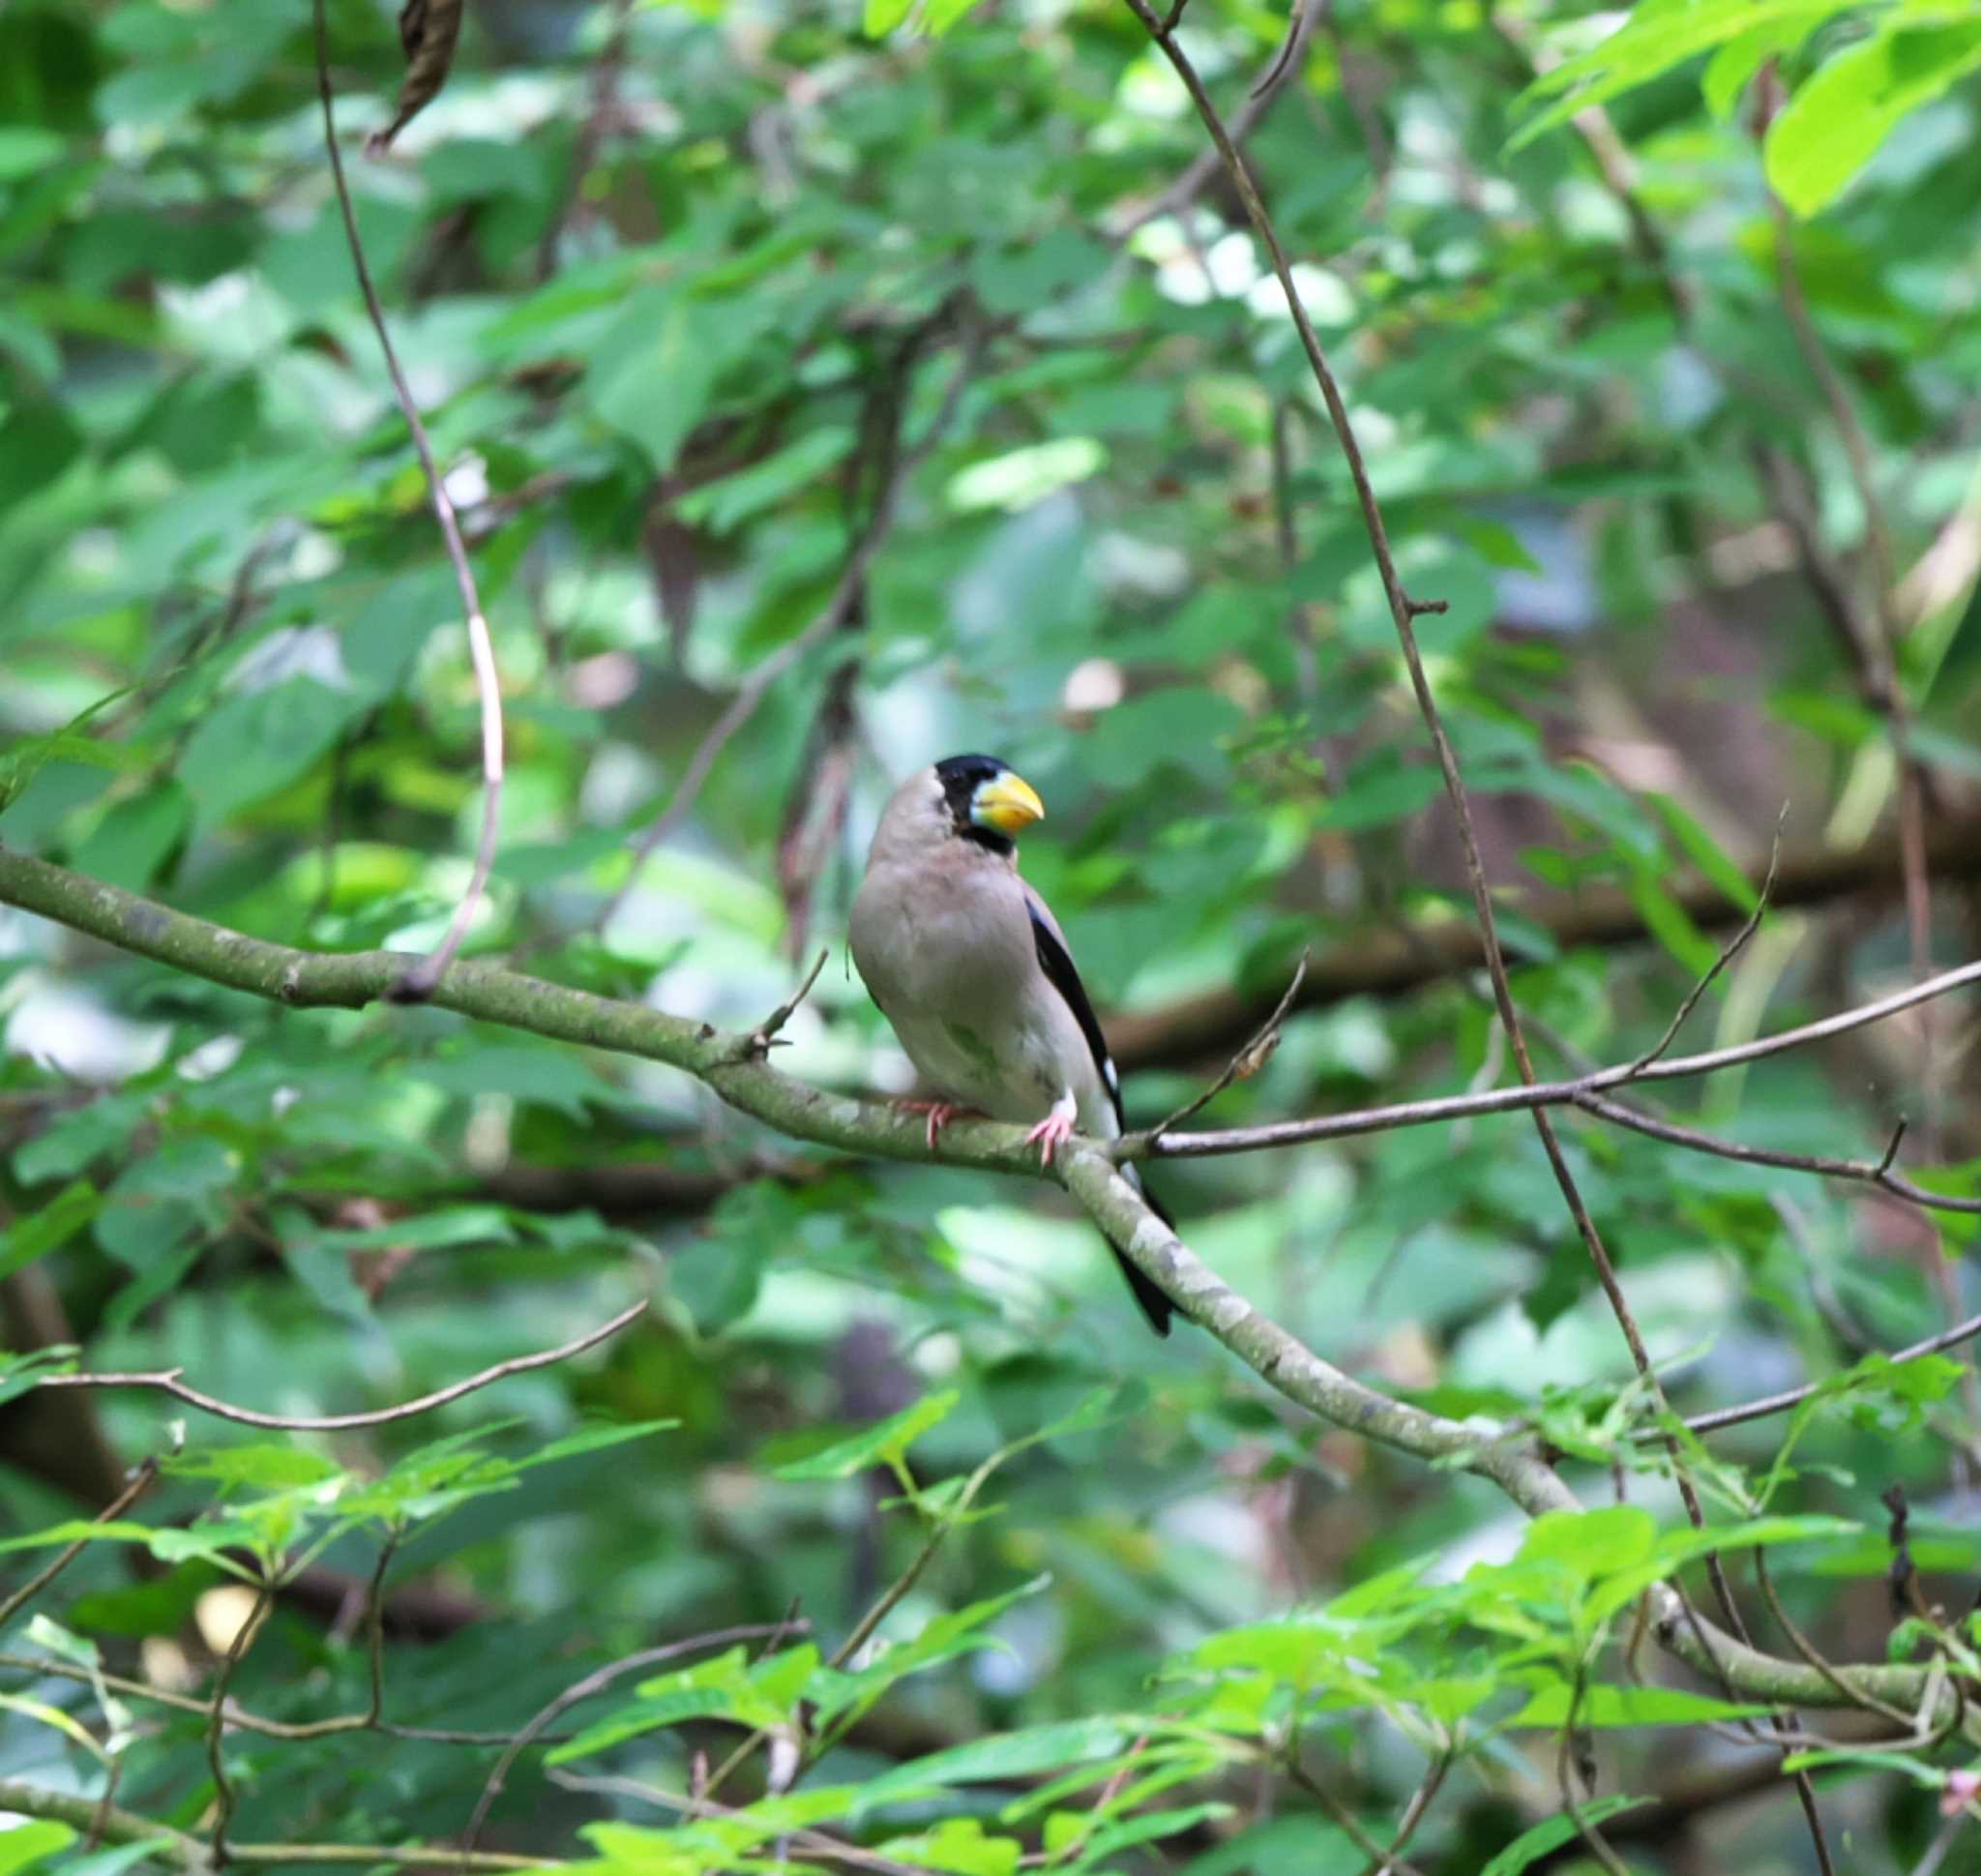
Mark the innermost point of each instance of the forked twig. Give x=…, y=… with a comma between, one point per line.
x=596, y=1682
x=1730, y=950
x=757, y=1043
x=140, y=1483
x=1771, y=1404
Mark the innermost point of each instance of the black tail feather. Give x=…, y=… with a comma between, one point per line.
x=1155, y=1302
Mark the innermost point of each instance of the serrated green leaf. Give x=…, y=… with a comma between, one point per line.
x=269, y=1468
x=1652, y=40
x=885, y=1441
x=1835, y=122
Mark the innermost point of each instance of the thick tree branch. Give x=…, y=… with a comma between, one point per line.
x=1478, y=1446
x=306, y=979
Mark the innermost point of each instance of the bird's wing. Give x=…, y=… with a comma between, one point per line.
x=1057, y=962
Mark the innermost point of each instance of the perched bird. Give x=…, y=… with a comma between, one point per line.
x=972, y=970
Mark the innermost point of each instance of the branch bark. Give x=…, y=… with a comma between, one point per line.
x=738, y=1073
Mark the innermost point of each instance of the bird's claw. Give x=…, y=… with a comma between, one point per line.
x=1055, y=1131
x=940, y=1114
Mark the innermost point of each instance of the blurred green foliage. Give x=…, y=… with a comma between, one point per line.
x=696, y=298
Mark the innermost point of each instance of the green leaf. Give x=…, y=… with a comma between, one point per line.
x=1705, y=853
x=941, y=1639
x=157, y=1203
x=881, y=16
x=957, y=1845
x=661, y=389
x=1670, y=923
x=1729, y=70
x=1612, y=1706
x=882, y=1443
x=48, y=1227
x=25, y=1843
x=724, y=1686
x=136, y=836
x=1022, y=478
x=1652, y=40
x=253, y=743
x=1383, y=790
x=268, y=1468
x=1050, y=1747
x=939, y=16
x=1590, y=1543
x=1835, y=122
x=27, y=756
x=724, y=505
x=599, y=1436
x=20, y=1374
x=1530, y=1846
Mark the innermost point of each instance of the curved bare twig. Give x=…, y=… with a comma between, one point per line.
x=418, y=982
x=166, y=1380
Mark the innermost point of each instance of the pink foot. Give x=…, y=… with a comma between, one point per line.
x=1055, y=1130
x=940, y=1114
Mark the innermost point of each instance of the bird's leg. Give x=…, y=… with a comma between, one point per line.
x=940, y=1114
x=1055, y=1130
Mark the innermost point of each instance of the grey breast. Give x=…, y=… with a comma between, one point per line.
x=946, y=949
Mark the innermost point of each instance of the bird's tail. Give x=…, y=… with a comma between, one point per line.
x=1155, y=1302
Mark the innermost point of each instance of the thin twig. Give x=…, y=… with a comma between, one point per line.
x=816, y=1842
x=1730, y=950
x=1875, y=643
x=375, y=1625
x=884, y=1605
x=1403, y=610
x=1246, y=1062
x=758, y=1041
x=751, y=693
x=1286, y=62
x=1934, y=1859
x=188, y=1853
x=1810, y=1653
x=1414, y=1813
x=418, y=983
x=1505, y=1100
x=167, y=1381
x=247, y=1722
x=1348, y=1823
x=1772, y=1404
x=591, y=134
x=224, y=1795
x=140, y=1483
x=596, y=1682
x=1876, y=1173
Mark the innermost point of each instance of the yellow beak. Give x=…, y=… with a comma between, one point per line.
x=1007, y=803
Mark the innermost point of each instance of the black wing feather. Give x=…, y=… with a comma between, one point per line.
x=1057, y=962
